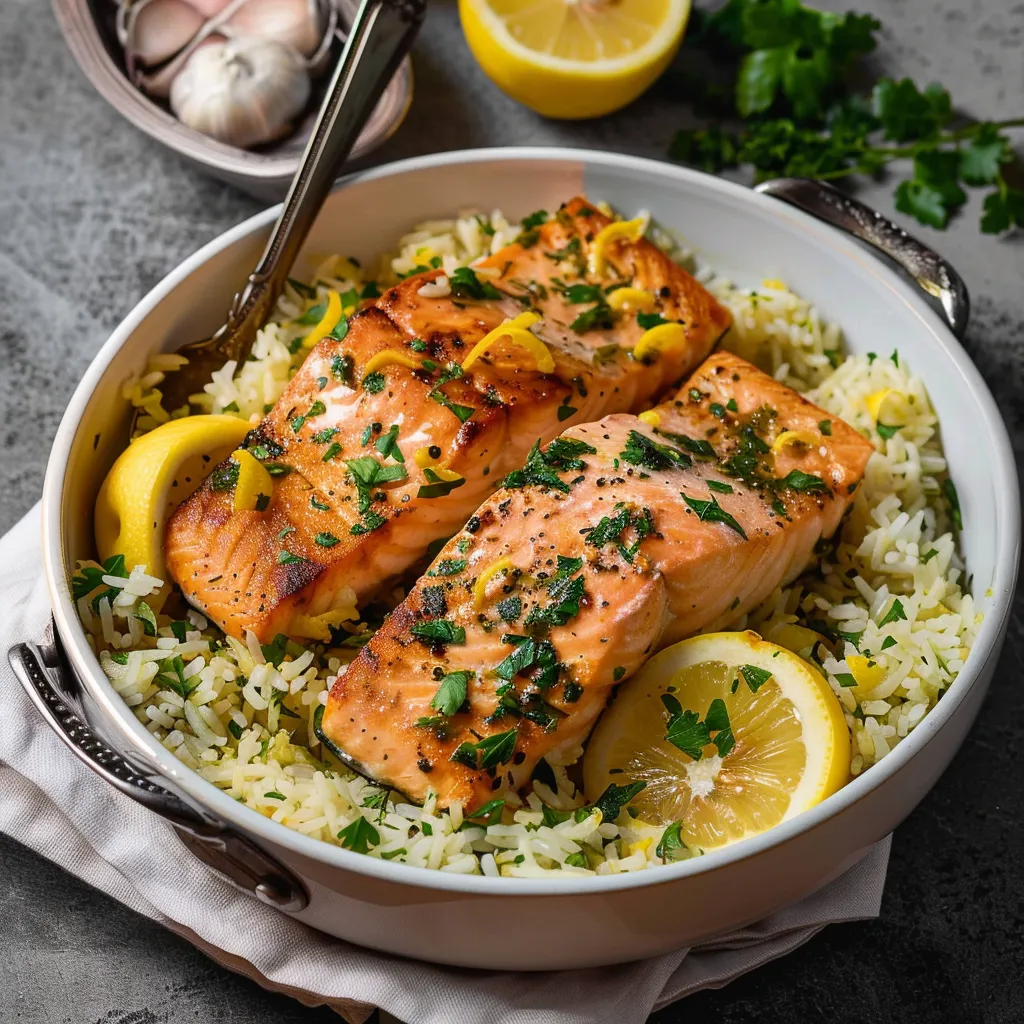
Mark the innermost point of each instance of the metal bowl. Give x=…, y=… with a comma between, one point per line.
x=89, y=29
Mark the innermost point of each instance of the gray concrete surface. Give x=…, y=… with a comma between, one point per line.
x=92, y=214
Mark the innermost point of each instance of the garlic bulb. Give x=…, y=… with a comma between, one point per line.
x=161, y=28
x=293, y=22
x=242, y=92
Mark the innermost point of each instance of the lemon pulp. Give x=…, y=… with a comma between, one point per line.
x=791, y=747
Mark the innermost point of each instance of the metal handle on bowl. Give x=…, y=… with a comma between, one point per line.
x=51, y=686
x=933, y=274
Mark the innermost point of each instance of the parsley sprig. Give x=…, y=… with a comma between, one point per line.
x=790, y=67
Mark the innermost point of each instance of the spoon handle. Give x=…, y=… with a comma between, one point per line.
x=380, y=37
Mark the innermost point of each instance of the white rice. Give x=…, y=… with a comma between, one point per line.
x=246, y=725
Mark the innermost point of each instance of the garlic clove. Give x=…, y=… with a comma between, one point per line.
x=159, y=83
x=158, y=29
x=296, y=23
x=242, y=92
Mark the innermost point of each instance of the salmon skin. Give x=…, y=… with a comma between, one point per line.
x=382, y=443
x=618, y=538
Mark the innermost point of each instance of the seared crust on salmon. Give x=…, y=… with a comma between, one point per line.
x=382, y=443
x=620, y=537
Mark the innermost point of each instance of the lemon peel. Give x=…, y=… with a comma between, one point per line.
x=330, y=319
x=631, y=300
x=791, y=437
x=391, y=357
x=516, y=330
x=663, y=338
x=253, y=482
x=485, y=577
x=618, y=230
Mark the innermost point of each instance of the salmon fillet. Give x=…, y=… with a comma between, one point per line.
x=375, y=466
x=621, y=537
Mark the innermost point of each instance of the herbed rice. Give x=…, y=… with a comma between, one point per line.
x=242, y=716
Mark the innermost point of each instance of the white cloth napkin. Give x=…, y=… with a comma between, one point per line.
x=57, y=807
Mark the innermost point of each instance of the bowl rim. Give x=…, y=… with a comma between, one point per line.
x=82, y=36
x=992, y=435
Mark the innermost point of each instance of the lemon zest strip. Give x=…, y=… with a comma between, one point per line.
x=327, y=322
x=651, y=417
x=388, y=358
x=516, y=330
x=317, y=627
x=480, y=587
x=631, y=300
x=873, y=402
x=867, y=672
x=659, y=339
x=788, y=437
x=253, y=480
x=628, y=230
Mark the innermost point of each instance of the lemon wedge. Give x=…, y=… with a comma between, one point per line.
x=151, y=477
x=569, y=59
x=765, y=735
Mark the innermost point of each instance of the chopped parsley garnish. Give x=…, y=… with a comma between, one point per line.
x=374, y=382
x=287, y=558
x=333, y=449
x=461, y=412
x=316, y=409
x=326, y=540
x=172, y=677
x=489, y=752
x=487, y=814
x=732, y=406
x=565, y=411
x=225, y=476
x=542, y=467
x=340, y=330
x=644, y=451
x=274, y=795
x=368, y=473
x=436, y=487
x=370, y=291
x=719, y=486
x=614, y=798
x=566, y=590
x=448, y=567
x=359, y=836
x=451, y=694
x=533, y=220
x=949, y=490
x=717, y=410
x=610, y=529
x=695, y=446
x=147, y=617
x=712, y=512
x=887, y=430
x=671, y=846
x=510, y=608
x=894, y=614
x=686, y=731
x=755, y=677
x=597, y=318
x=387, y=444
x=845, y=680
x=323, y=436
x=439, y=631
x=580, y=293
x=530, y=653
x=825, y=426
x=649, y=320
x=371, y=521
x=277, y=468
x=313, y=315
x=797, y=480
x=342, y=368
x=888, y=642
x=465, y=284
x=304, y=290
x=928, y=556
x=86, y=580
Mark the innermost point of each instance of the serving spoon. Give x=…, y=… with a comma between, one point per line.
x=380, y=37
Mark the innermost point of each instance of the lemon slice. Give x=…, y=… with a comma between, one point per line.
x=789, y=746
x=151, y=477
x=573, y=58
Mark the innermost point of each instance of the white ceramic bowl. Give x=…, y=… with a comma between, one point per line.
x=545, y=924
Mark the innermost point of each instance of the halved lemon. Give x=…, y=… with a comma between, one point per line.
x=151, y=477
x=574, y=58
x=789, y=746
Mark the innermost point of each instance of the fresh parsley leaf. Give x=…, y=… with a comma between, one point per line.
x=465, y=284
x=451, y=694
x=648, y=320
x=886, y=430
x=542, y=467
x=488, y=752
x=614, y=798
x=597, y=318
x=755, y=677
x=671, y=846
x=448, y=567
x=488, y=813
x=359, y=836
x=644, y=451
x=953, y=499
x=894, y=614
x=326, y=540
x=387, y=444
x=374, y=382
x=685, y=730
x=712, y=512
x=719, y=486
x=439, y=631
x=888, y=642
x=797, y=480
x=147, y=617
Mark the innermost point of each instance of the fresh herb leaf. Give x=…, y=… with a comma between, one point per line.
x=685, y=730
x=448, y=567
x=374, y=382
x=439, y=631
x=387, y=444
x=147, y=617
x=894, y=614
x=797, y=480
x=371, y=521
x=949, y=490
x=888, y=642
x=542, y=467
x=465, y=284
x=326, y=540
x=451, y=694
x=671, y=846
x=359, y=836
x=712, y=512
x=755, y=677
x=644, y=451
x=719, y=486
x=887, y=431
x=614, y=798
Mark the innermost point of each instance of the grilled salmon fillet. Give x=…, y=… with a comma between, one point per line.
x=382, y=443
x=618, y=538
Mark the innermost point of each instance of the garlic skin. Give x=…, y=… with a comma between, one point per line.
x=296, y=23
x=243, y=92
